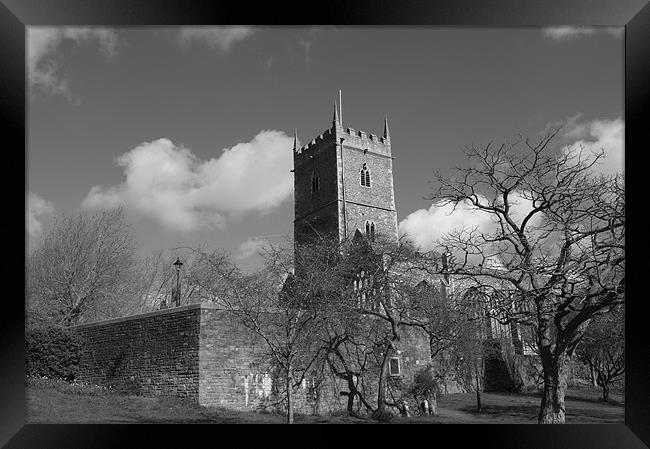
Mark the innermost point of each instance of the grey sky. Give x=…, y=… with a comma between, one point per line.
x=97, y=95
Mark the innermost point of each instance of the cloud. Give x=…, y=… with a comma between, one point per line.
x=222, y=38
x=251, y=246
x=170, y=184
x=594, y=136
x=36, y=208
x=44, y=58
x=425, y=227
x=564, y=33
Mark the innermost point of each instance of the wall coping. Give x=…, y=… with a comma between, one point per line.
x=147, y=314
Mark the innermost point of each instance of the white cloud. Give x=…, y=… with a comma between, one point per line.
x=251, y=246
x=425, y=227
x=597, y=135
x=44, y=59
x=222, y=38
x=170, y=184
x=564, y=33
x=36, y=208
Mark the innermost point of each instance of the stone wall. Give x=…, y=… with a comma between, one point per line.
x=204, y=353
x=234, y=363
x=154, y=353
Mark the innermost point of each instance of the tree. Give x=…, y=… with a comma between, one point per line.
x=287, y=320
x=82, y=269
x=441, y=317
x=603, y=349
x=383, y=293
x=553, y=244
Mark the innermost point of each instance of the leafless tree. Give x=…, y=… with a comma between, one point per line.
x=82, y=270
x=603, y=349
x=286, y=319
x=157, y=279
x=558, y=262
x=384, y=293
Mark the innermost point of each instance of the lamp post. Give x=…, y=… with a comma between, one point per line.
x=178, y=264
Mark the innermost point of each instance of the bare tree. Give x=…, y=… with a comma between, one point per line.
x=384, y=293
x=157, y=279
x=83, y=269
x=603, y=349
x=286, y=319
x=556, y=262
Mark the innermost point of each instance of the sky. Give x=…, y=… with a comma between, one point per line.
x=190, y=129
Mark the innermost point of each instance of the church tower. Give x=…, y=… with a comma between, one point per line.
x=343, y=182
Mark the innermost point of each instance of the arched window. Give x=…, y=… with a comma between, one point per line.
x=315, y=182
x=370, y=230
x=365, y=176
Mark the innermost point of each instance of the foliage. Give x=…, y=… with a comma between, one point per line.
x=68, y=387
x=52, y=352
x=424, y=384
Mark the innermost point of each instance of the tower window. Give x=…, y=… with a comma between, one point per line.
x=365, y=176
x=315, y=182
x=393, y=366
x=370, y=230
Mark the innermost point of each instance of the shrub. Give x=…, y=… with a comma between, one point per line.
x=424, y=384
x=52, y=352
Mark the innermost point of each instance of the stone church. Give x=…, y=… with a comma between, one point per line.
x=343, y=185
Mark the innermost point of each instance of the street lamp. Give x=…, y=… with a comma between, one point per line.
x=178, y=264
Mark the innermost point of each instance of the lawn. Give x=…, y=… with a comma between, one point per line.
x=59, y=402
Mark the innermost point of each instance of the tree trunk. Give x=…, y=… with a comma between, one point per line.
x=605, y=392
x=381, y=388
x=478, y=391
x=552, y=409
x=289, y=395
x=592, y=375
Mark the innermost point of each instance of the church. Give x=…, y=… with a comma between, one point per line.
x=343, y=186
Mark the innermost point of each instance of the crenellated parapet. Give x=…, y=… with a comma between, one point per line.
x=313, y=147
x=362, y=140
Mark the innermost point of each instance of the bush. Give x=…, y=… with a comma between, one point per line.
x=425, y=384
x=52, y=352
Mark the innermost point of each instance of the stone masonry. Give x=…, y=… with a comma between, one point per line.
x=342, y=204
x=202, y=352
x=195, y=351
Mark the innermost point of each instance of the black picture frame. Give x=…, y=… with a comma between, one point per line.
x=15, y=15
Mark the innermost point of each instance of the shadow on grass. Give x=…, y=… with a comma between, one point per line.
x=509, y=413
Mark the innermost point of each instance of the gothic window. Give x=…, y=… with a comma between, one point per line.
x=370, y=230
x=315, y=182
x=393, y=366
x=365, y=176
x=362, y=289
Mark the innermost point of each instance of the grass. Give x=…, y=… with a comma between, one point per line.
x=50, y=401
